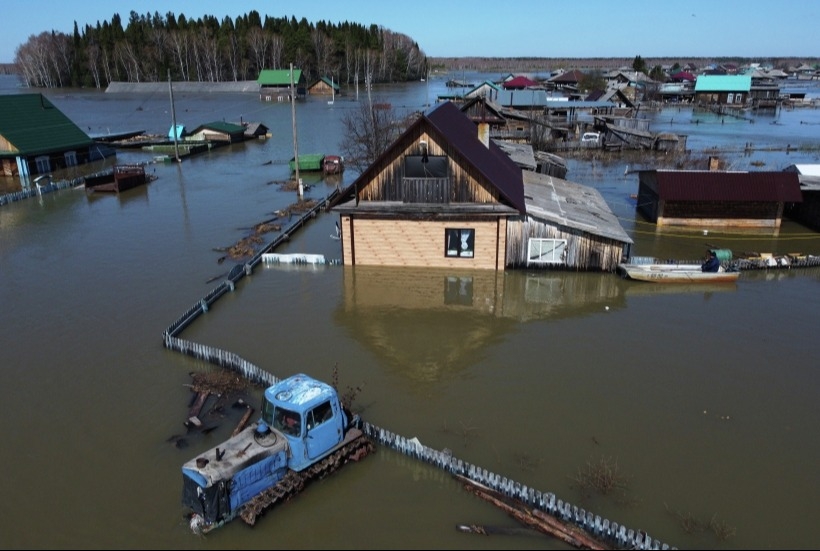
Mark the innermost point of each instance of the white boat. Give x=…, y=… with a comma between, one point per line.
x=675, y=273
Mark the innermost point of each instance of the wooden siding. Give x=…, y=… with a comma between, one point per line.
x=464, y=184
x=396, y=242
x=584, y=251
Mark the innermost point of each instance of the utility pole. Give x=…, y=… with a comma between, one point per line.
x=173, y=118
x=299, y=188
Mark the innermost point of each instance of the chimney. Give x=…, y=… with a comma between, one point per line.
x=484, y=133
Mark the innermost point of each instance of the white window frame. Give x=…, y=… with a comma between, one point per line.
x=542, y=250
x=459, y=242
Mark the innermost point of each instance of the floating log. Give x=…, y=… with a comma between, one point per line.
x=534, y=518
x=196, y=408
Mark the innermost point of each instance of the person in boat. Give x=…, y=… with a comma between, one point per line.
x=712, y=264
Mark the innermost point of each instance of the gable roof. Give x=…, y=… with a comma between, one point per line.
x=684, y=75
x=453, y=127
x=33, y=125
x=570, y=77
x=723, y=83
x=330, y=82
x=278, y=77
x=220, y=126
x=520, y=82
x=710, y=185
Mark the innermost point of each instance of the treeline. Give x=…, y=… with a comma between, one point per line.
x=150, y=47
x=517, y=65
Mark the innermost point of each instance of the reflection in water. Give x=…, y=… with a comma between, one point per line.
x=432, y=324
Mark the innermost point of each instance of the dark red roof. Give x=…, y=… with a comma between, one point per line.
x=693, y=185
x=570, y=77
x=684, y=75
x=519, y=83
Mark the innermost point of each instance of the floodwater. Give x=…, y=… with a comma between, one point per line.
x=701, y=402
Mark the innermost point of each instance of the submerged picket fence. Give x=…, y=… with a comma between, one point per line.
x=607, y=531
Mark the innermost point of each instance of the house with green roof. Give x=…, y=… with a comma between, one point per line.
x=38, y=138
x=324, y=87
x=275, y=84
x=218, y=131
x=723, y=89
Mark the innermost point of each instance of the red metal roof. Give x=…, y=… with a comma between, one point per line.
x=519, y=83
x=693, y=185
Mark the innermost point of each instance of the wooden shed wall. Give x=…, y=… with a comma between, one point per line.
x=729, y=214
x=321, y=88
x=584, y=251
x=395, y=242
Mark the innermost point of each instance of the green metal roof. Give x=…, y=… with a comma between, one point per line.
x=723, y=83
x=221, y=126
x=278, y=77
x=34, y=126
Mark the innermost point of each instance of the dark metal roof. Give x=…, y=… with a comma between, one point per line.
x=455, y=128
x=694, y=185
x=495, y=165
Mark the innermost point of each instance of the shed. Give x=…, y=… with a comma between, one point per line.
x=324, y=87
x=716, y=198
x=567, y=226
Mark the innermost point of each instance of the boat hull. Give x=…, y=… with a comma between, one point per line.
x=675, y=273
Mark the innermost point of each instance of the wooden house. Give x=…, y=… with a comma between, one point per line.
x=37, y=138
x=723, y=89
x=566, y=81
x=275, y=84
x=716, y=198
x=440, y=196
x=486, y=89
x=218, y=131
x=324, y=87
x=446, y=196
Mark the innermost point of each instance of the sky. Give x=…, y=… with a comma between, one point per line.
x=484, y=28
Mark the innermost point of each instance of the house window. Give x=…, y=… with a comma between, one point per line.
x=425, y=166
x=459, y=242
x=546, y=251
x=70, y=158
x=43, y=164
x=730, y=98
